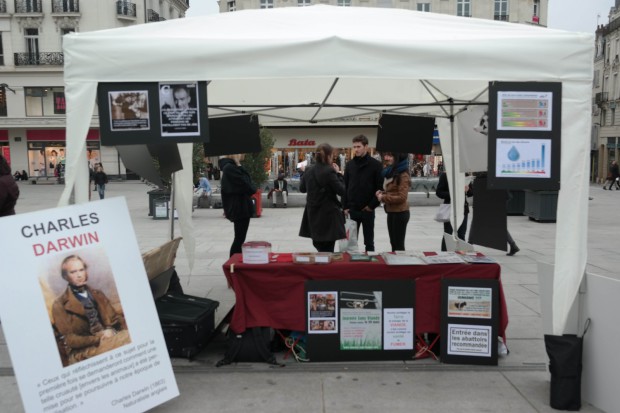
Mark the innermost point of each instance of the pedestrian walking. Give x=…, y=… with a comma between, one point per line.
x=9, y=191
x=101, y=179
x=613, y=177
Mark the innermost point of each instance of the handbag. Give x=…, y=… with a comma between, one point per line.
x=443, y=213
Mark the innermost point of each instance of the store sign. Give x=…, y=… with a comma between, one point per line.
x=296, y=142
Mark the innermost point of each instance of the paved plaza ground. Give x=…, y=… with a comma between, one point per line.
x=520, y=383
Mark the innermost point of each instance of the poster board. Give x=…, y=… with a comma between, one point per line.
x=469, y=319
x=117, y=361
x=525, y=133
x=350, y=320
x=149, y=112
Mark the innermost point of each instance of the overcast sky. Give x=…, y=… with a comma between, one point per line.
x=573, y=15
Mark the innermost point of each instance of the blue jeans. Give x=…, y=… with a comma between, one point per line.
x=101, y=190
x=367, y=220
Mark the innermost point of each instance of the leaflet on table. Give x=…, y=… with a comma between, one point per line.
x=402, y=259
x=476, y=258
x=81, y=259
x=442, y=257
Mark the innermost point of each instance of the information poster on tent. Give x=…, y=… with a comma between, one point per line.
x=524, y=135
x=83, y=293
x=469, y=320
x=179, y=103
x=360, y=320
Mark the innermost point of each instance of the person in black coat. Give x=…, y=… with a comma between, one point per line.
x=362, y=178
x=237, y=189
x=280, y=186
x=443, y=192
x=9, y=191
x=323, y=219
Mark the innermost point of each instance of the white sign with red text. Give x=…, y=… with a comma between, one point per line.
x=75, y=277
x=398, y=329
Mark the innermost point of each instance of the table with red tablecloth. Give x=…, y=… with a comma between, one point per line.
x=273, y=294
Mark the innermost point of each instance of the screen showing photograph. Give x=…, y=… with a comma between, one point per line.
x=179, y=109
x=129, y=110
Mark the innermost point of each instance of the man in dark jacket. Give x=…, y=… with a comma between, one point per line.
x=237, y=189
x=362, y=178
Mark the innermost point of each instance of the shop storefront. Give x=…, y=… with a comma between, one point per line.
x=296, y=145
x=47, y=148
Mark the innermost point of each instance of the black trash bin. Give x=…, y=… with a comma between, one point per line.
x=157, y=194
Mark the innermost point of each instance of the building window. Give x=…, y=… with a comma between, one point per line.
x=344, y=3
x=1, y=51
x=32, y=44
x=603, y=117
x=232, y=6
x=266, y=4
x=501, y=10
x=597, y=78
x=613, y=116
x=64, y=31
x=424, y=7
x=45, y=101
x=3, y=109
x=304, y=3
x=536, y=8
x=463, y=8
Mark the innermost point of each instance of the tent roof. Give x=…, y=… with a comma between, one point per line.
x=351, y=60
x=315, y=64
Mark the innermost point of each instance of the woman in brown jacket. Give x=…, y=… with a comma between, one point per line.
x=396, y=182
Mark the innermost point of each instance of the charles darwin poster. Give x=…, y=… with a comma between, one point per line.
x=93, y=341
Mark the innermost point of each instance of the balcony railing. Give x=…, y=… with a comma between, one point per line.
x=28, y=6
x=125, y=8
x=152, y=16
x=2, y=6
x=501, y=17
x=39, y=59
x=66, y=6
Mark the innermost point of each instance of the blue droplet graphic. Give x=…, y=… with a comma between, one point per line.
x=513, y=154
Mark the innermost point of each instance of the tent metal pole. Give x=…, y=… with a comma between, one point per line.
x=453, y=173
x=172, y=185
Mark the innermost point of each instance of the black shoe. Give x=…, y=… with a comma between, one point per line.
x=284, y=205
x=275, y=205
x=605, y=188
x=513, y=250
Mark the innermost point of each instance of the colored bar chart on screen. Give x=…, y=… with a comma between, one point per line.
x=523, y=158
x=525, y=111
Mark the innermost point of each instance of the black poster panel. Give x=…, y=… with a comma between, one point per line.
x=134, y=113
x=233, y=134
x=168, y=157
x=138, y=159
x=525, y=131
x=469, y=319
x=488, y=225
x=405, y=134
x=351, y=320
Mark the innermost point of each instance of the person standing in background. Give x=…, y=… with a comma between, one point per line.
x=323, y=219
x=280, y=186
x=443, y=192
x=362, y=179
x=101, y=179
x=237, y=189
x=396, y=183
x=9, y=191
x=614, y=176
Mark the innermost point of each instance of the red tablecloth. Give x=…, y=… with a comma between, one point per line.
x=273, y=295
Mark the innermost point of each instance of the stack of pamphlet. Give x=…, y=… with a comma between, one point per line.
x=402, y=258
x=476, y=258
x=442, y=257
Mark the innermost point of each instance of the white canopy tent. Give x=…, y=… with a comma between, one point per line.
x=321, y=63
